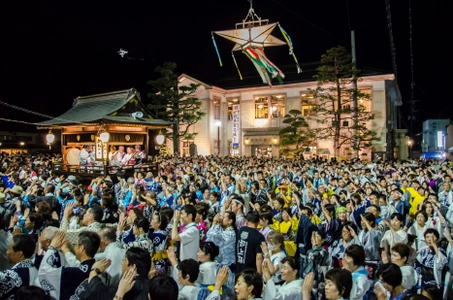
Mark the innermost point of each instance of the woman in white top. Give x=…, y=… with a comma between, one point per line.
x=400, y=257
x=435, y=218
x=418, y=230
x=273, y=254
x=208, y=267
x=395, y=234
x=291, y=289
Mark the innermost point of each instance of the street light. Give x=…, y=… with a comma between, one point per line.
x=218, y=124
x=50, y=137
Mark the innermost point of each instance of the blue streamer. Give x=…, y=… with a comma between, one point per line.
x=235, y=63
x=216, y=49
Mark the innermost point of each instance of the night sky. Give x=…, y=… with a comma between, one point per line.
x=54, y=51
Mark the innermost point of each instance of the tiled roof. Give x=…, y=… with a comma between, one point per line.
x=105, y=107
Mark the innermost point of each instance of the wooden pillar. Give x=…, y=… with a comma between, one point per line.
x=147, y=143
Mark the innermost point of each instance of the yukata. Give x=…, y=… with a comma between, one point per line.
x=266, y=231
x=419, y=234
x=202, y=229
x=332, y=230
x=206, y=279
x=229, y=190
x=277, y=215
x=360, y=284
x=215, y=295
x=240, y=221
x=276, y=260
x=225, y=239
x=169, y=201
x=127, y=235
x=160, y=258
x=429, y=266
x=336, y=252
x=23, y=273
x=390, y=239
x=288, y=230
x=370, y=241
x=316, y=262
x=288, y=291
x=141, y=241
x=62, y=282
x=410, y=277
x=121, y=190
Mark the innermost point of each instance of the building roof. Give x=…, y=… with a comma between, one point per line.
x=252, y=79
x=114, y=107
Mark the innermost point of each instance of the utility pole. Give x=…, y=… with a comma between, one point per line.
x=354, y=106
x=176, y=138
x=391, y=119
x=412, y=99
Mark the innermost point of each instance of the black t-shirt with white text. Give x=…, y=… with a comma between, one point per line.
x=248, y=245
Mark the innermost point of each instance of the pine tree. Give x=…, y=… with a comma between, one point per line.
x=333, y=107
x=175, y=104
x=295, y=137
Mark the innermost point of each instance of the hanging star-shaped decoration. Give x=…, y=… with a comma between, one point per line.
x=251, y=36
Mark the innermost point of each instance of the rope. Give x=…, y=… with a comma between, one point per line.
x=25, y=110
x=37, y=113
x=17, y=121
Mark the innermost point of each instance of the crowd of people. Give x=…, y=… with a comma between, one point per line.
x=207, y=227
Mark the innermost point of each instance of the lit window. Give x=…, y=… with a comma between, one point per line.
x=308, y=105
x=278, y=106
x=261, y=107
x=364, y=99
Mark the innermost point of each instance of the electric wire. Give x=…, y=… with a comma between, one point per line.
x=307, y=21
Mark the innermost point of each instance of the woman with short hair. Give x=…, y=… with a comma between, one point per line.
x=354, y=261
x=292, y=286
x=249, y=285
x=338, y=285
x=401, y=253
x=348, y=237
x=390, y=279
